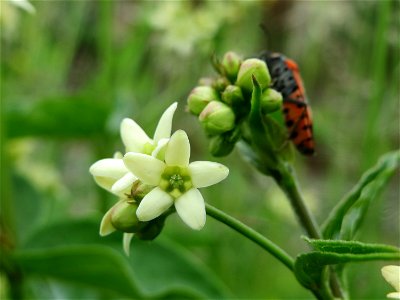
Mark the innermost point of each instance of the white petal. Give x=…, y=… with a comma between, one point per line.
x=394, y=295
x=124, y=184
x=154, y=204
x=206, y=173
x=109, y=167
x=178, y=150
x=105, y=182
x=392, y=275
x=190, y=207
x=147, y=168
x=105, y=226
x=164, y=126
x=133, y=136
x=24, y=4
x=159, y=151
x=126, y=242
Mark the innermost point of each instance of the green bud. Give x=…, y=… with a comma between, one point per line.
x=223, y=144
x=123, y=216
x=151, y=229
x=231, y=64
x=220, y=84
x=139, y=190
x=250, y=67
x=200, y=97
x=232, y=95
x=217, y=118
x=271, y=100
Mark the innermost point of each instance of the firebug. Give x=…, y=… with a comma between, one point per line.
x=286, y=79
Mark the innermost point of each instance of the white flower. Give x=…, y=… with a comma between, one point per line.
x=176, y=181
x=392, y=275
x=111, y=173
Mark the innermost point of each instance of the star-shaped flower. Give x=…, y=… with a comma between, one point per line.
x=392, y=275
x=176, y=181
x=111, y=173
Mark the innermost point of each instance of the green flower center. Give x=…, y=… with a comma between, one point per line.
x=176, y=181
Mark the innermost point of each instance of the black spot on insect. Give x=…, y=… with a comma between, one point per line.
x=300, y=105
x=286, y=110
x=306, y=127
x=289, y=123
x=294, y=134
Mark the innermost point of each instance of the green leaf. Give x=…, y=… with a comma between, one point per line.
x=74, y=116
x=99, y=267
x=345, y=219
x=309, y=267
x=159, y=268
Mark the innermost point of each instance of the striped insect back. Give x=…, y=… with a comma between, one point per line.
x=286, y=79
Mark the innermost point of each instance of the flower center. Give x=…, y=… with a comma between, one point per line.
x=175, y=181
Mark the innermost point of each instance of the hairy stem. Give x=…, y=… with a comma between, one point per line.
x=252, y=235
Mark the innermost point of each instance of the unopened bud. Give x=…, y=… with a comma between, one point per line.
x=253, y=67
x=271, y=101
x=123, y=216
x=220, y=84
x=200, y=97
x=217, y=118
x=231, y=64
x=151, y=229
x=223, y=144
x=232, y=95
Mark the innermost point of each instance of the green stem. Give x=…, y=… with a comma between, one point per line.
x=288, y=183
x=252, y=235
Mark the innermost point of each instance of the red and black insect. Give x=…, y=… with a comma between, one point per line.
x=286, y=79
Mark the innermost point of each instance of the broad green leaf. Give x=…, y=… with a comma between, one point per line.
x=62, y=117
x=99, y=267
x=309, y=267
x=345, y=219
x=159, y=267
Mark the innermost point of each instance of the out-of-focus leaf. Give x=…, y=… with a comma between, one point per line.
x=309, y=267
x=100, y=267
x=62, y=117
x=160, y=267
x=346, y=217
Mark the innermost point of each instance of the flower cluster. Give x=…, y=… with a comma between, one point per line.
x=223, y=104
x=152, y=177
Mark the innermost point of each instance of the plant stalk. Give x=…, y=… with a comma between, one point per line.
x=252, y=235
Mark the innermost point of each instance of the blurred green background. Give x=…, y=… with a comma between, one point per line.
x=72, y=71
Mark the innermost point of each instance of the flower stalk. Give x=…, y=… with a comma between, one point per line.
x=252, y=235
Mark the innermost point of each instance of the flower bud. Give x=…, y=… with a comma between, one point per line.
x=223, y=144
x=250, y=67
x=200, y=97
x=231, y=64
x=152, y=229
x=217, y=118
x=232, y=95
x=271, y=100
x=123, y=216
x=220, y=84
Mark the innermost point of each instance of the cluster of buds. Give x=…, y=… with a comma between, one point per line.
x=223, y=104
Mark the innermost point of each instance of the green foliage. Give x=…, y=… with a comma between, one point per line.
x=66, y=117
x=345, y=219
x=309, y=267
x=153, y=270
x=99, y=267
